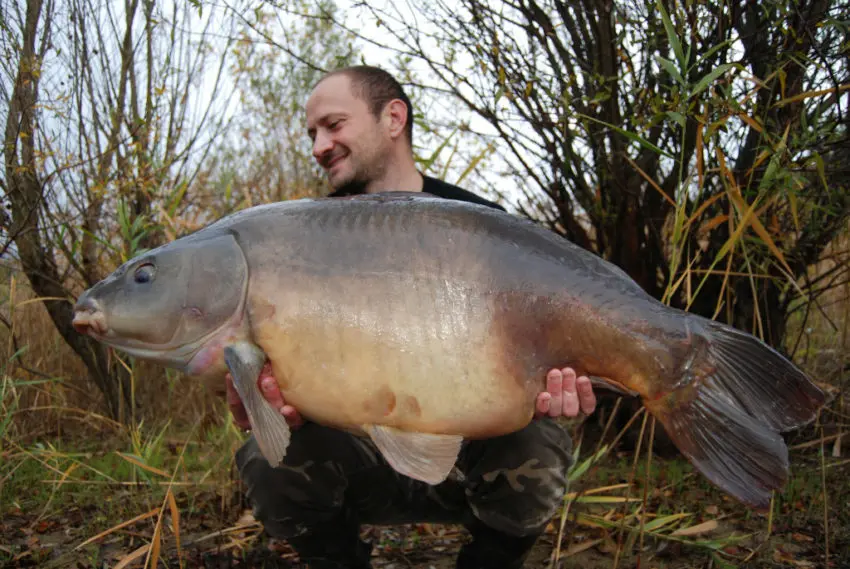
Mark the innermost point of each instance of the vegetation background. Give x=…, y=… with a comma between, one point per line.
x=701, y=146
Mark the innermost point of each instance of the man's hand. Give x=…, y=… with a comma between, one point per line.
x=565, y=394
x=271, y=392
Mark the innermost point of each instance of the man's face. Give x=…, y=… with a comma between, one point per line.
x=349, y=143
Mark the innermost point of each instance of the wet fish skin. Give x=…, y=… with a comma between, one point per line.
x=400, y=314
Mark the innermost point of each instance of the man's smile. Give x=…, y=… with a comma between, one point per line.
x=334, y=160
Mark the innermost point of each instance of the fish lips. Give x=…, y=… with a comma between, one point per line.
x=92, y=323
x=89, y=319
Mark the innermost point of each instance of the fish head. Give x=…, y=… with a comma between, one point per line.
x=167, y=305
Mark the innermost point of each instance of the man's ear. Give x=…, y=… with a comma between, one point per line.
x=396, y=114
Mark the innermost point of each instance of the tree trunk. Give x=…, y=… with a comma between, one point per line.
x=27, y=200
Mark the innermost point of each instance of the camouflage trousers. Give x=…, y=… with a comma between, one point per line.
x=513, y=484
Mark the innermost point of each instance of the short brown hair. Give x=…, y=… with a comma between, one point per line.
x=377, y=88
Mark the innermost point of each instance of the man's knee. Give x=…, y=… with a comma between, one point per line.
x=308, y=487
x=517, y=482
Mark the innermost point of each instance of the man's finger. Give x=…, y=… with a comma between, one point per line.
x=586, y=397
x=292, y=416
x=543, y=399
x=271, y=391
x=554, y=382
x=570, y=397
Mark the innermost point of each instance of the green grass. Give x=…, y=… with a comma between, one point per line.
x=118, y=477
x=122, y=475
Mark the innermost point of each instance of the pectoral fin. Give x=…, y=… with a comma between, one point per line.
x=426, y=457
x=245, y=362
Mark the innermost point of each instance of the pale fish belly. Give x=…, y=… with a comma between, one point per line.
x=402, y=351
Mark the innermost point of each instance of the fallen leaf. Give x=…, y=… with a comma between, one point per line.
x=133, y=556
x=782, y=556
x=711, y=510
x=42, y=527
x=704, y=527
x=801, y=537
x=579, y=547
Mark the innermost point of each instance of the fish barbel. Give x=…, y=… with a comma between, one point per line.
x=421, y=322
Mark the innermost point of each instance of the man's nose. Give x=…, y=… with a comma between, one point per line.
x=321, y=145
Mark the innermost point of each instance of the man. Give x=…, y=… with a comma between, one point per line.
x=504, y=490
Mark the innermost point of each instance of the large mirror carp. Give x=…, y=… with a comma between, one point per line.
x=421, y=322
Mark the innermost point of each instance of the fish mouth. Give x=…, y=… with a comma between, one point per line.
x=89, y=319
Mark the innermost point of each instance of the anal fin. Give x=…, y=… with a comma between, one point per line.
x=423, y=456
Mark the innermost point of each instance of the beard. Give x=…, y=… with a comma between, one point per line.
x=358, y=181
x=363, y=173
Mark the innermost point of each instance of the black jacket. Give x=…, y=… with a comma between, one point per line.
x=441, y=189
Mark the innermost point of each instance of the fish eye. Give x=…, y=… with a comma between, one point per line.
x=144, y=273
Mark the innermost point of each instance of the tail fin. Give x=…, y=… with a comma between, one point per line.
x=735, y=396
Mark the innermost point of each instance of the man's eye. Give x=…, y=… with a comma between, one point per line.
x=144, y=273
